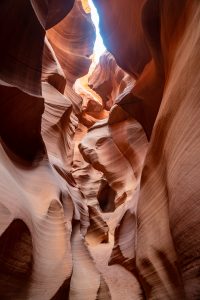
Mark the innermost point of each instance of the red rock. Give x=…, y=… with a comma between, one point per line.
x=84, y=212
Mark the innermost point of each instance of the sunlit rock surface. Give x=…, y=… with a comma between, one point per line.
x=44, y=216
x=110, y=81
x=168, y=240
x=100, y=170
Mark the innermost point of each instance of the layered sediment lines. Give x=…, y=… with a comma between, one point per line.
x=99, y=180
x=168, y=242
x=44, y=215
x=110, y=81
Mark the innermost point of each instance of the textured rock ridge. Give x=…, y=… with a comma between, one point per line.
x=110, y=81
x=168, y=242
x=99, y=164
x=44, y=216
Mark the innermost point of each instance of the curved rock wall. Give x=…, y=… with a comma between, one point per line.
x=44, y=215
x=99, y=176
x=110, y=81
x=168, y=242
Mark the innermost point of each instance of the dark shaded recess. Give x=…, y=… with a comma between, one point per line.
x=16, y=261
x=117, y=256
x=103, y=291
x=187, y=248
x=146, y=285
x=150, y=279
x=106, y=197
x=56, y=11
x=63, y=292
x=151, y=24
x=104, y=90
x=144, y=101
x=134, y=107
x=66, y=175
x=98, y=228
x=58, y=82
x=22, y=40
x=140, y=110
x=20, y=123
x=171, y=269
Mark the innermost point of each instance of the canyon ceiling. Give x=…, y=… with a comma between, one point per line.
x=100, y=164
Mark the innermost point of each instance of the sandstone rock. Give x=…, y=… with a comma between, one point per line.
x=167, y=210
x=84, y=212
x=110, y=81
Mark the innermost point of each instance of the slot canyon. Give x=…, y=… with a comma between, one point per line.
x=100, y=155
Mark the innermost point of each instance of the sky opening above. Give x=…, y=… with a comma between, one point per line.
x=99, y=47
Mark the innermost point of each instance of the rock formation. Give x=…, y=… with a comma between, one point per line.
x=110, y=81
x=44, y=215
x=99, y=165
x=168, y=242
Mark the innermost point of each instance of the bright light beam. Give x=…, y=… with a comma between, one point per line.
x=99, y=47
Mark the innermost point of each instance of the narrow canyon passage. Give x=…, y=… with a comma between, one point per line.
x=100, y=150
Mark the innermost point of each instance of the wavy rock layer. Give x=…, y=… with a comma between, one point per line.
x=52, y=217
x=113, y=150
x=168, y=243
x=44, y=215
x=110, y=81
x=174, y=171
x=84, y=212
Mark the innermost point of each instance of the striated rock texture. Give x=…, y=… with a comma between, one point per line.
x=168, y=239
x=99, y=167
x=52, y=223
x=110, y=81
x=44, y=215
x=137, y=24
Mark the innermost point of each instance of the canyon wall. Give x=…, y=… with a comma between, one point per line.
x=99, y=165
x=44, y=215
x=167, y=92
